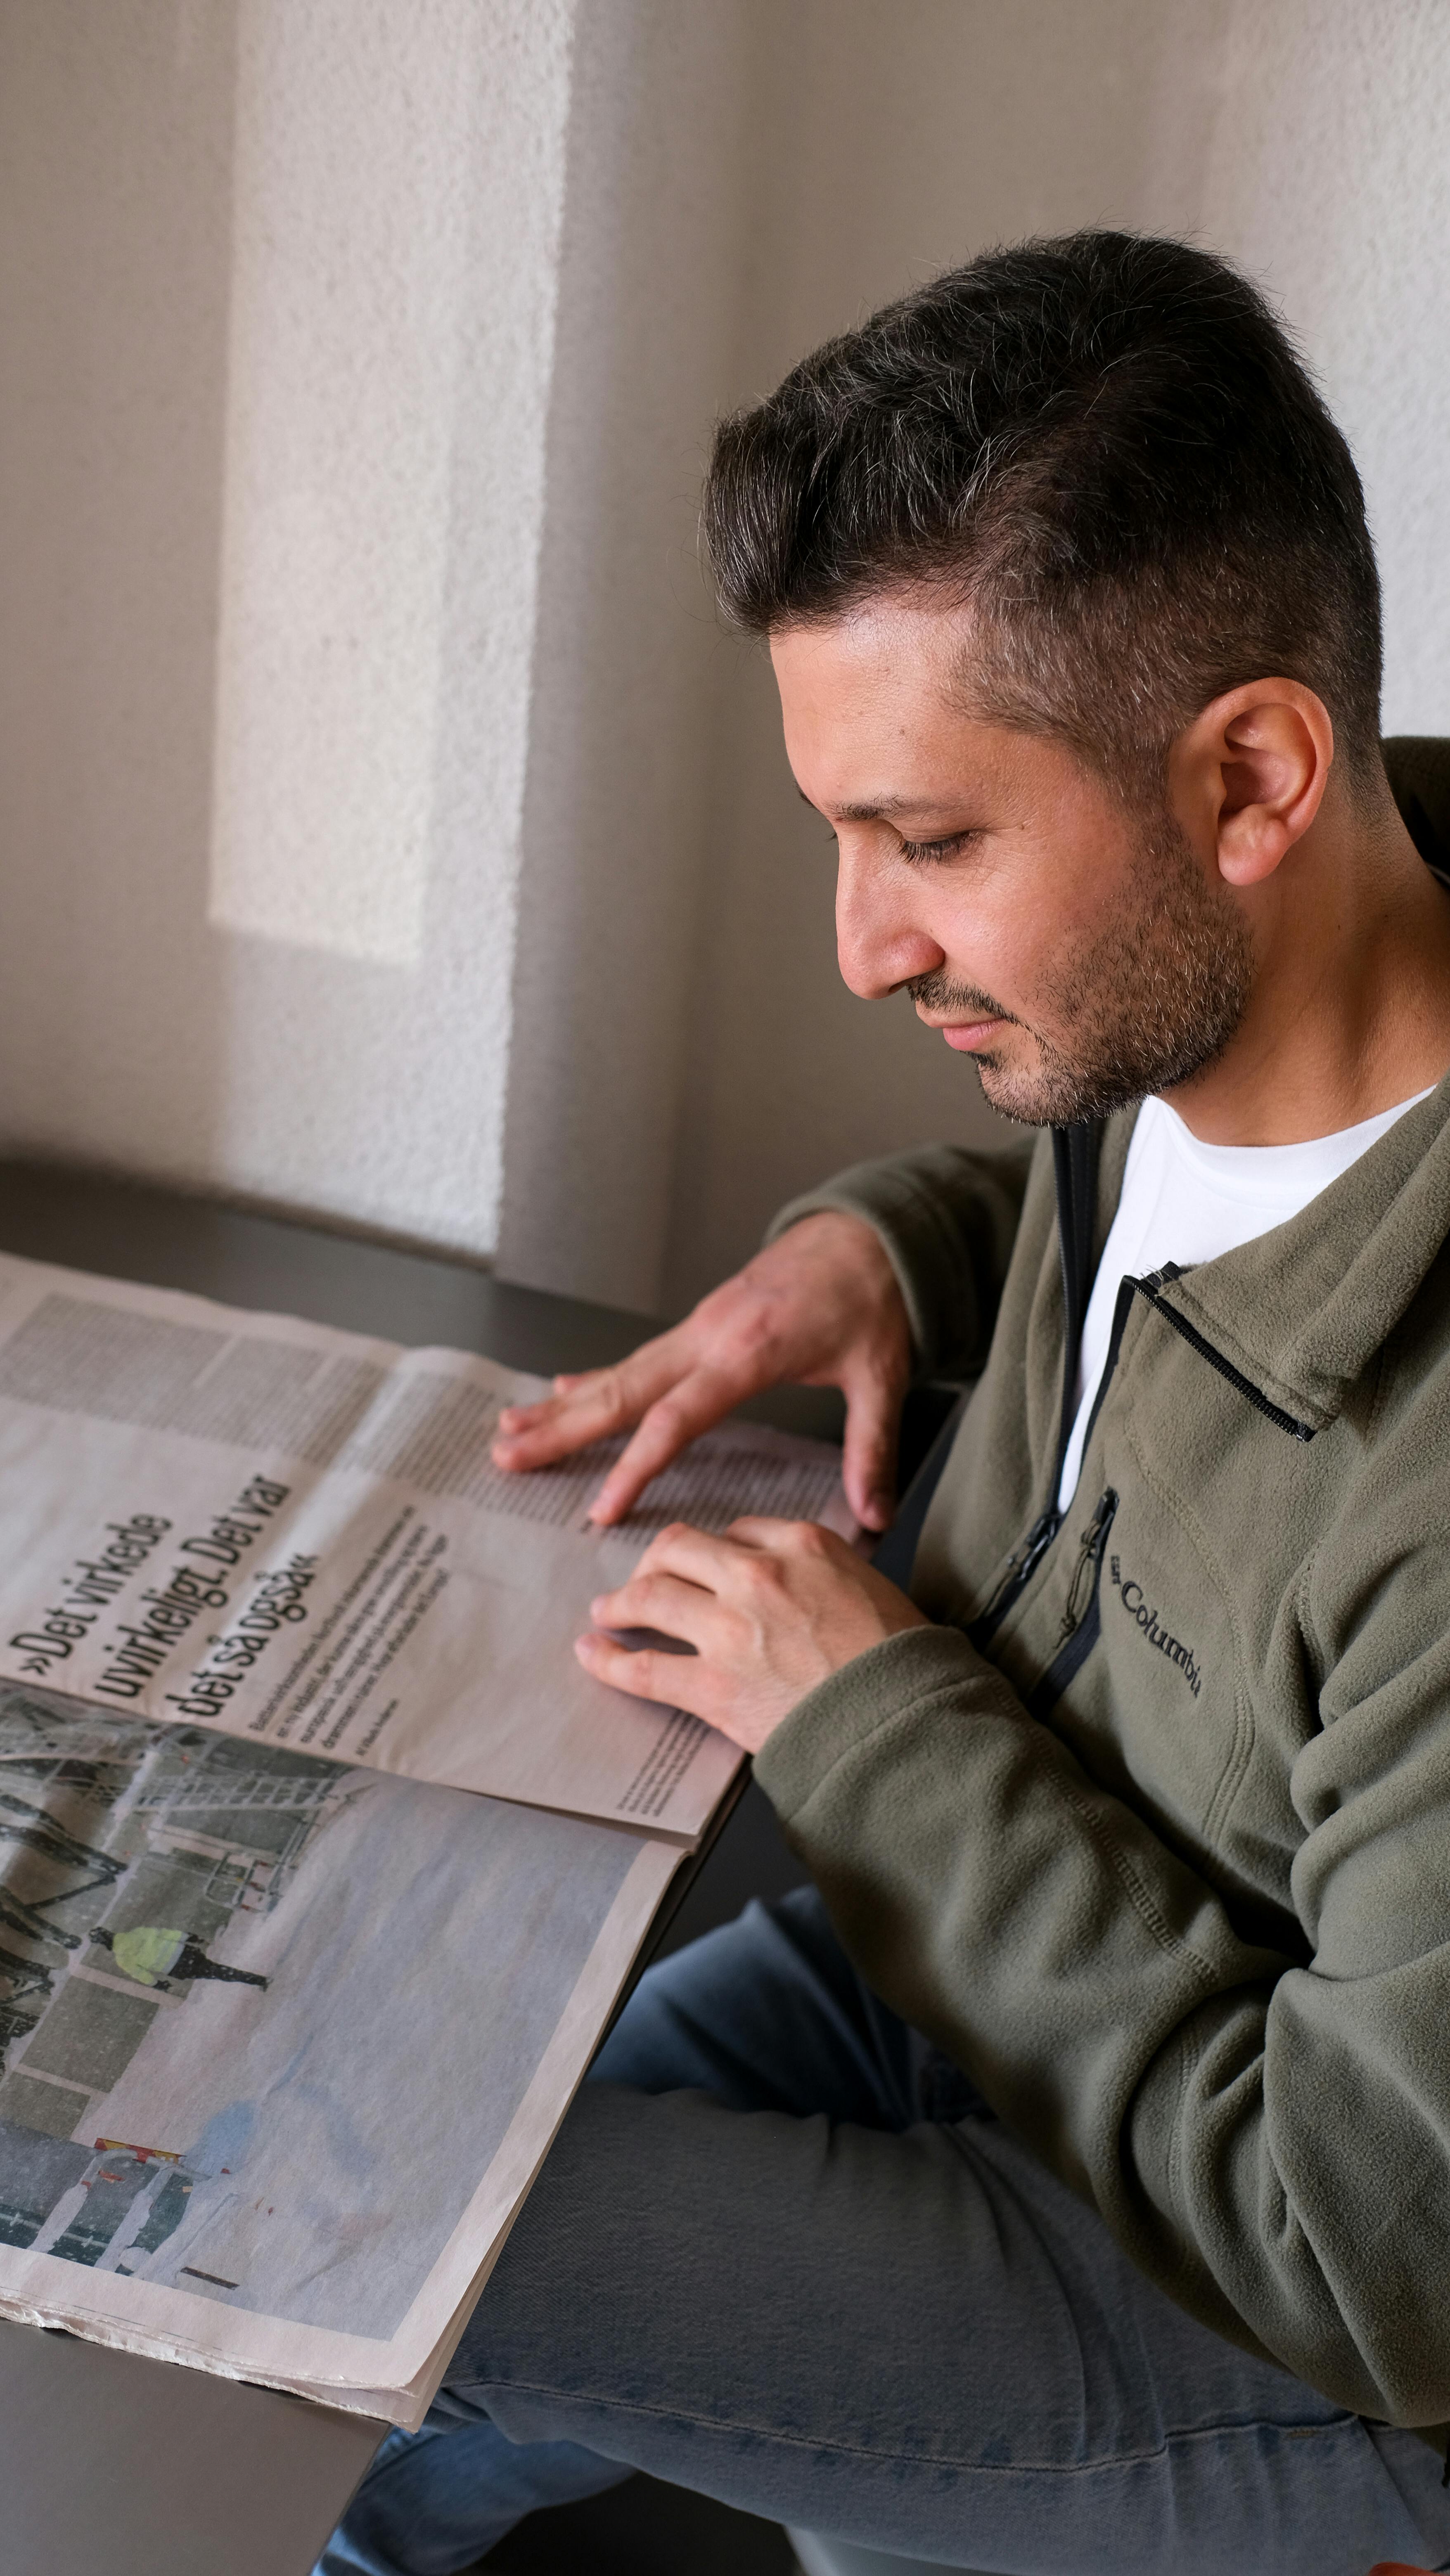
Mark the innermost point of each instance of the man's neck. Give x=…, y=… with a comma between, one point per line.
x=1350, y=1012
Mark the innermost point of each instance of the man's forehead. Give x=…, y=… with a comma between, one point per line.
x=874, y=701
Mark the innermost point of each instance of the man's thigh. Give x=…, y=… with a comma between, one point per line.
x=768, y=2014
x=912, y=2335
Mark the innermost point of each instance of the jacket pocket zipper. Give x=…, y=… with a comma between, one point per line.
x=1089, y=1558
x=1024, y=1563
x=1021, y=1566
x=1081, y=1626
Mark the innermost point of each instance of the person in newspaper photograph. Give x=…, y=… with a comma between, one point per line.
x=157, y=1954
x=1059, y=2180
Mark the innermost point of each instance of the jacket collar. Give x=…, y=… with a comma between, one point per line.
x=1302, y=1309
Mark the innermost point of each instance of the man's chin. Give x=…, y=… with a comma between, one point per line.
x=1032, y=1099
x=1046, y=1095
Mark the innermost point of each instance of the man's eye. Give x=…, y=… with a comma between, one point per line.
x=950, y=848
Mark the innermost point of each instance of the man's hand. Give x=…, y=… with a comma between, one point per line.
x=770, y=1610
x=821, y=1307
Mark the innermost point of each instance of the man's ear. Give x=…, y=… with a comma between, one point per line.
x=1247, y=777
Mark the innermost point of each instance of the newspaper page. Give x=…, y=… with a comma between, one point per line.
x=297, y=1535
x=283, y=2043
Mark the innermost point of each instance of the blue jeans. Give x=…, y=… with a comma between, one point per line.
x=784, y=2255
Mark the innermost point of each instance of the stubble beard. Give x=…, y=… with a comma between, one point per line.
x=1140, y=1008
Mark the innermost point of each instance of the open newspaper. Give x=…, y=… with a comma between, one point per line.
x=322, y=1862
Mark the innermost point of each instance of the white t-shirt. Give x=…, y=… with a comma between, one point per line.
x=1187, y=1202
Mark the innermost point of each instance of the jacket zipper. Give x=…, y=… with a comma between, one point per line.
x=1075, y=1152
x=1021, y=1565
x=1164, y=1278
x=1024, y=1564
x=1047, y=1526
x=1089, y=1557
x=1083, y=1618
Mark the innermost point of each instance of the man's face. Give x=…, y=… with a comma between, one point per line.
x=1084, y=955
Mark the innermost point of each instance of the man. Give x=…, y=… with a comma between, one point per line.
x=1068, y=2186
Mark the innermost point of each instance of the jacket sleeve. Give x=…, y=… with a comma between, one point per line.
x=1267, y=2136
x=948, y=1219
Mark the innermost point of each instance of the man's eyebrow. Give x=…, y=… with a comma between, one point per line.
x=883, y=812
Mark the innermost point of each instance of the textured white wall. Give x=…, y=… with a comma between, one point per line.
x=389, y=638
x=115, y=210
x=277, y=299
x=349, y=292
x=385, y=829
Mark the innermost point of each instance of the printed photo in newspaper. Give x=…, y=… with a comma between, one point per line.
x=283, y=2042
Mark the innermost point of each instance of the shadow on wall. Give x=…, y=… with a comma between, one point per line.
x=623, y=711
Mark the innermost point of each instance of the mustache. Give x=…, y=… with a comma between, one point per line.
x=939, y=992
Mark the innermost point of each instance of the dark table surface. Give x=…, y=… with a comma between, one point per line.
x=140, y=2468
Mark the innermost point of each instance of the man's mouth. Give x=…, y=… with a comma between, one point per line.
x=965, y=1036
x=967, y=1017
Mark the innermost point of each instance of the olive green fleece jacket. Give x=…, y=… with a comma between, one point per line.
x=1185, y=1919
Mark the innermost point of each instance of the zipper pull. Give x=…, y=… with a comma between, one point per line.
x=1021, y=1563
x=1089, y=1558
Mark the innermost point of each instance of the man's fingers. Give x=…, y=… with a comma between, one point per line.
x=661, y=1601
x=585, y=1409
x=695, y=1404
x=691, y=1554
x=678, y=1681
x=868, y=1467
x=763, y=1535
x=531, y=1435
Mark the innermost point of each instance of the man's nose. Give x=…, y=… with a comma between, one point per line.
x=880, y=941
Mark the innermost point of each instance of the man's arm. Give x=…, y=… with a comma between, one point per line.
x=893, y=1270
x=1268, y=2136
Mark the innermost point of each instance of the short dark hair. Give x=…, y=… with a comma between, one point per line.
x=1106, y=444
